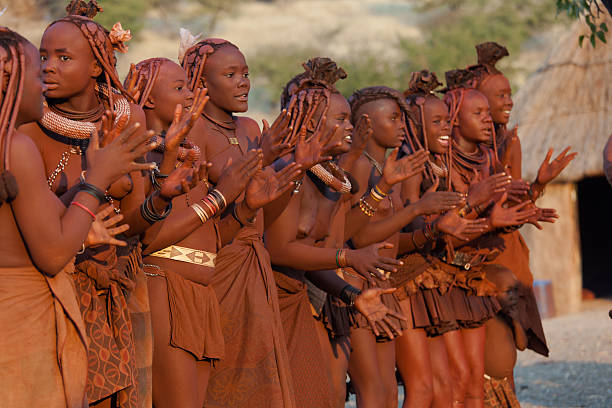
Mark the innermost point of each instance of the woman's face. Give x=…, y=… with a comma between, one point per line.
x=474, y=119
x=226, y=76
x=387, y=122
x=68, y=64
x=496, y=89
x=31, y=106
x=437, y=125
x=339, y=113
x=170, y=89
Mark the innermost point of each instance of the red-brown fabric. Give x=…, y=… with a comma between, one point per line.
x=255, y=371
x=499, y=394
x=195, y=324
x=102, y=294
x=515, y=256
x=43, y=356
x=311, y=377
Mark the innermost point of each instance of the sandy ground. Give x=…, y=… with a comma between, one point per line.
x=578, y=372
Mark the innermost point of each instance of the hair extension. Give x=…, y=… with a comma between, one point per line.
x=103, y=43
x=195, y=57
x=141, y=79
x=12, y=78
x=308, y=95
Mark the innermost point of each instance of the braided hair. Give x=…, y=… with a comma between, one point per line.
x=12, y=78
x=195, y=57
x=103, y=44
x=310, y=98
x=141, y=78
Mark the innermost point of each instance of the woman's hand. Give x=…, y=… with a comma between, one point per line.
x=121, y=147
x=272, y=138
x=548, y=170
x=510, y=216
x=396, y=171
x=316, y=149
x=484, y=190
x=435, y=202
x=183, y=121
x=370, y=305
x=234, y=177
x=452, y=224
x=543, y=215
x=268, y=185
x=103, y=230
x=368, y=263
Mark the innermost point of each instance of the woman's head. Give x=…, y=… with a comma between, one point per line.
x=386, y=109
x=468, y=108
x=77, y=52
x=428, y=117
x=158, y=85
x=219, y=66
x=312, y=96
x=492, y=83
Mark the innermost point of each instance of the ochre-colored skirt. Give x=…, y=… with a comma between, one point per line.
x=43, y=356
x=311, y=377
x=195, y=323
x=444, y=297
x=255, y=371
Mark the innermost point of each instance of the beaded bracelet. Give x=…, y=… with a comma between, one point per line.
x=349, y=294
x=93, y=191
x=366, y=208
x=467, y=208
x=148, y=211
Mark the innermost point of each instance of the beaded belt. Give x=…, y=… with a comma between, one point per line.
x=463, y=259
x=189, y=255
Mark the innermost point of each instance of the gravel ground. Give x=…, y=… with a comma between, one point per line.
x=578, y=372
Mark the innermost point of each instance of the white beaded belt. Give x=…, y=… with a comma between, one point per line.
x=189, y=255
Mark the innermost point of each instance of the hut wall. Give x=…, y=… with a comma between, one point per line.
x=555, y=250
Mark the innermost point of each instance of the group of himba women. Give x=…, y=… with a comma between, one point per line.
x=259, y=266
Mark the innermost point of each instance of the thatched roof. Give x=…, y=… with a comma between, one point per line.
x=568, y=102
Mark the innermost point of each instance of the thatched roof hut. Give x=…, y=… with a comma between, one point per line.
x=568, y=102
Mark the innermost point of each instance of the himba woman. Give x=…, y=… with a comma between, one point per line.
x=372, y=363
x=255, y=370
x=307, y=242
x=492, y=83
x=471, y=163
x=43, y=349
x=185, y=312
x=78, y=66
x=423, y=280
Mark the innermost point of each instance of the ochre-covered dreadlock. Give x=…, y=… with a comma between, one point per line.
x=195, y=57
x=102, y=42
x=141, y=79
x=310, y=98
x=488, y=55
x=12, y=77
